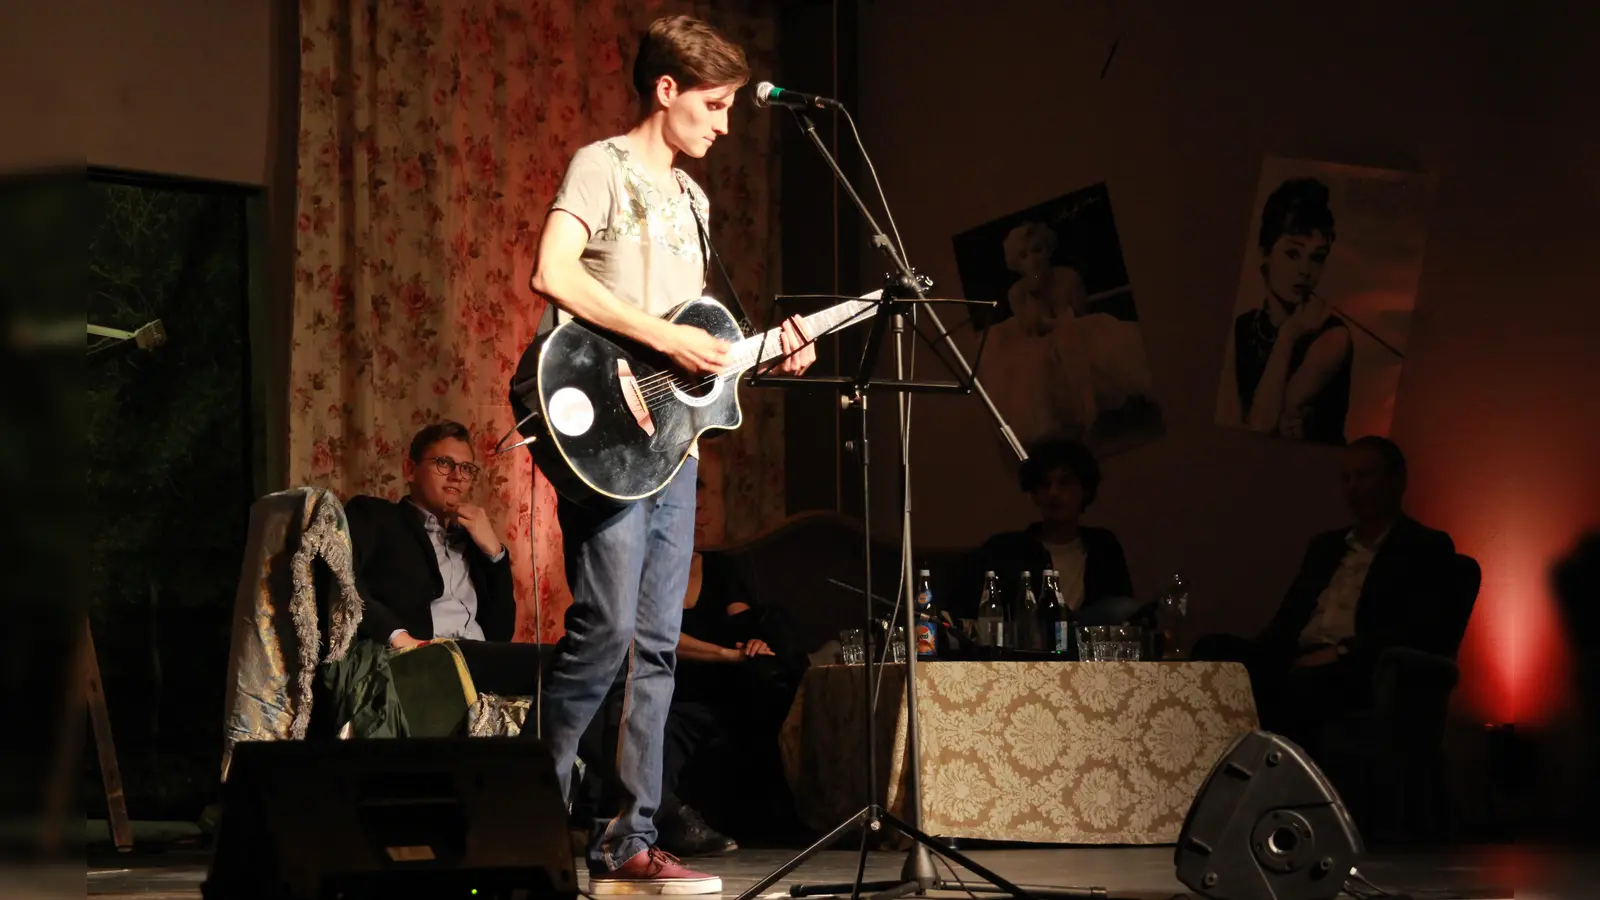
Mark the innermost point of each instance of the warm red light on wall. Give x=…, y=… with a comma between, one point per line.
x=1514, y=664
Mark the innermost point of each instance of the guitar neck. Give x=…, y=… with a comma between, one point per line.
x=769, y=346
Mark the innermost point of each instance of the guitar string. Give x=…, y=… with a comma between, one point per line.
x=653, y=381
x=650, y=381
x=768, y=338
x=656, y=380
x=661, y=385
x=663, y=393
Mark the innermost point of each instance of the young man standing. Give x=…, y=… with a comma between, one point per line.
x=621, y=247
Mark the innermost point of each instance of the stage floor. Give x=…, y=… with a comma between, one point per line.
x=1139, y=873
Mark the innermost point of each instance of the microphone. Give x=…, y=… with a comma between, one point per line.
x=769, y=94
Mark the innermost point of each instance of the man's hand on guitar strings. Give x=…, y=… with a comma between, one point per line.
x=695, y=351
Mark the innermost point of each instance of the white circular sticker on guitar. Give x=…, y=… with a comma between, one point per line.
x=571, y=412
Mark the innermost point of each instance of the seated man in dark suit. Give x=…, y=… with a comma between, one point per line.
x=1381, y=582
x=431, y=565
x=1063, y=479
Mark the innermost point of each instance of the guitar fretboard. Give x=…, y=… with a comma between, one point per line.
x=769, y=347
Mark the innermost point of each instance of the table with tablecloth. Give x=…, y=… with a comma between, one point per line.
x=1049, y=752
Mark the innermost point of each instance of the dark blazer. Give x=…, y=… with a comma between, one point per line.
x=397, y=573
x=1105, y=572
x=1404, y=600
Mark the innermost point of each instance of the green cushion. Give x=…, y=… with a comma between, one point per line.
x=434, y=689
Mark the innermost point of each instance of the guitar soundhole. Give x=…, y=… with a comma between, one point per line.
x=697, y=386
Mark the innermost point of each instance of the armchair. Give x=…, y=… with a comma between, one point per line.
x=295, y=669
x=1388, y=760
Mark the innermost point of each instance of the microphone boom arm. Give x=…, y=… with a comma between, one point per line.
x=909, y=280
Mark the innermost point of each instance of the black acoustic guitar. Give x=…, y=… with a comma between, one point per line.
x=610, y=421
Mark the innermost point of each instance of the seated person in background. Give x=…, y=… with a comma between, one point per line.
x=724, y=622
x=1380, y=582
x=1576, y=581
x=431, y=565
x=737, y=674
x=1063, y=478
x=731, y=694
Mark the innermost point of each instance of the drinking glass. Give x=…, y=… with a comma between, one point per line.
x=897, y=644
x=852, y=649
x=1093, y=643
x=1129, y=642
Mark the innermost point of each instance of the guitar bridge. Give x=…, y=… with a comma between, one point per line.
x=634, y=397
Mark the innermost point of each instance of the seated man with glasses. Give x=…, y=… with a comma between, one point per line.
x=431, y=565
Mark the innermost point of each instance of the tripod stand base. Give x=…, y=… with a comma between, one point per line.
x=1042, y=891
x=917, y=876
x=888, y=890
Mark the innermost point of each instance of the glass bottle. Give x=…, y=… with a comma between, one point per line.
x=991, y=614
x=1025, y=615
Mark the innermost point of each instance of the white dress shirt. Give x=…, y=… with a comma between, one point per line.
x=1335, y=616
x=454, y=612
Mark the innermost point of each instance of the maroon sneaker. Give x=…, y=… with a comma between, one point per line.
x=654, y=871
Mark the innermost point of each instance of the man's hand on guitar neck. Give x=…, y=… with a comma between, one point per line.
x=795, y=339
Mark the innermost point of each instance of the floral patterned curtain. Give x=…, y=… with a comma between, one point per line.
x=433, y=134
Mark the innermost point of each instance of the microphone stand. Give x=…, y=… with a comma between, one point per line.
x=917, y=873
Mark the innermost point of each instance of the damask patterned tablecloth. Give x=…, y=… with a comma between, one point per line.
x=1081, y=753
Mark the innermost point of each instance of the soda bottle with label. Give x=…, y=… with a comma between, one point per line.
x=927, y=625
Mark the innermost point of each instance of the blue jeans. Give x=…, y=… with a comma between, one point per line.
x=628, y=570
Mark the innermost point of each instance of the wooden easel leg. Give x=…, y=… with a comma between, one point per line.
x=60, y=789
x=110, y=773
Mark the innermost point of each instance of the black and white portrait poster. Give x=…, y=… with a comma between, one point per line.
x=1329, y=279
x=1064, y=356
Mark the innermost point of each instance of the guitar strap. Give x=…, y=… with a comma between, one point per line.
x=708, y=253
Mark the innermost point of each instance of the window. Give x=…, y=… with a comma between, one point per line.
x=170, y=481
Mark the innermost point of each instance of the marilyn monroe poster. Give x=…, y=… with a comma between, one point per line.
x=1064, y=357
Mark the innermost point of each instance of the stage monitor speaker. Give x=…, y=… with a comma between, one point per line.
x=477, y=818
x=1266, y=825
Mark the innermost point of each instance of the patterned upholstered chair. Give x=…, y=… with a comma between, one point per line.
x=295, y=669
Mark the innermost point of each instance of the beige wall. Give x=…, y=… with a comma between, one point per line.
x=191, y=88
x=973, y=110
x=171, y=86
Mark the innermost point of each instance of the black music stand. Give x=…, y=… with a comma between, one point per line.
x=904, y=291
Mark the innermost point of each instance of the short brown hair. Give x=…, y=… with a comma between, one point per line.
x=689, y=50
x=1049, y=455
x=437, y=432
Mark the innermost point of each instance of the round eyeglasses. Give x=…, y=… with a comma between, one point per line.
x=446, y=466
